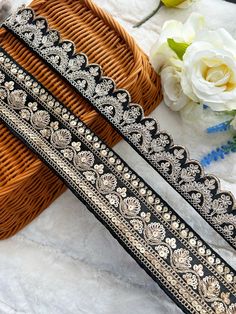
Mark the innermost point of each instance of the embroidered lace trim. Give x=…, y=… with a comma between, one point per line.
x=190, y=272
x=172, y=161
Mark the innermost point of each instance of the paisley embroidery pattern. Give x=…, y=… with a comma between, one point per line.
x=192, y=274
x=202, y=191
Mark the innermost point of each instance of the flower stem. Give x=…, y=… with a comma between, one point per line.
x=149, y=16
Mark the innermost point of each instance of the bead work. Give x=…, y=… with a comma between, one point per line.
x=172, y=161
x=196, y=278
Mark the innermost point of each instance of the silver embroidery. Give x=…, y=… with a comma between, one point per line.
x=202, y=191
x=198, y=279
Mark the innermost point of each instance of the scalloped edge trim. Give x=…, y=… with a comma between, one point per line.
x=171, y=147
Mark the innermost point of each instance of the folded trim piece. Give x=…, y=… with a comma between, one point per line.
x=190, y=272
x=171, y=161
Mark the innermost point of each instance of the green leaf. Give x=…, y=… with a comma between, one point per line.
x=178, y=48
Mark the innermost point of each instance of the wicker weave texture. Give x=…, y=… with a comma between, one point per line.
x=27, y=186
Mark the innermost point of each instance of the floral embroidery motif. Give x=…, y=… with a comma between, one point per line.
x=84, y=160
x=137, y=224
x=113, y=199
x=191, y=280
x=107, y=183
x=210, y=287
x=154, y=232
x=17, y=99
x=25, y=114
x=90, y=176
x=61, y=138
x=180, y=259
x=131, y=206
x=41, y=119
x=172, y=161
x=163, y=251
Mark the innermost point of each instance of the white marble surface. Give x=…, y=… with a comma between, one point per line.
x=65, y=261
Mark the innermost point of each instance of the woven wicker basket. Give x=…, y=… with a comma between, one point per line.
x=27, y=186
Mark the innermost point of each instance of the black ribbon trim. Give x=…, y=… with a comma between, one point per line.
x=186, y=176
x=20, y=101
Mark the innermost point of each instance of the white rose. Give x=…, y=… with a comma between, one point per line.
x=161, y=54
x=209, y=70
x=172, y=90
